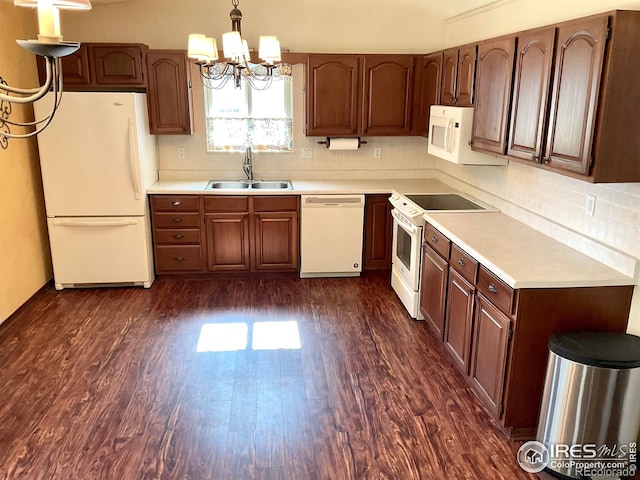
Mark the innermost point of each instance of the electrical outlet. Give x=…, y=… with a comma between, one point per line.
x=181, y=152
x=377, y=152
x=591, y=205
x=307, y=153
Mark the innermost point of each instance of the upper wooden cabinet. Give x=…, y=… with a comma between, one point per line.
x=531, y=94
x=428, y=88
x=458, y=76
x=333, y=103
x=103, y=67
x=359, y=95
x=581, y=117
x=387, y=94
x=169, y=94
x=579, y=54
x=494, y=71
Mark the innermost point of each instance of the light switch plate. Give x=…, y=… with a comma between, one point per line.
x=307, y=153
x=377, y=152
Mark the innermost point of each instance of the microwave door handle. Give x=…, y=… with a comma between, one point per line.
x=448, y=136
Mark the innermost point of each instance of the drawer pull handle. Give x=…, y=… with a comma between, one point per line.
x=178, y=236
x=176, y=203
x=461, y=262
x=434, y=239
x=177, y=220
x=493, y=288
x=179, y=259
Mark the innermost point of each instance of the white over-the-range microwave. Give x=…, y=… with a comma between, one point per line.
x=450, y=131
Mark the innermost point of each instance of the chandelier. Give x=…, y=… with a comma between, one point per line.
x=50, y=46
x=237, y=65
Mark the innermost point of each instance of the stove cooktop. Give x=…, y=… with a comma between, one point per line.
x=444, y=201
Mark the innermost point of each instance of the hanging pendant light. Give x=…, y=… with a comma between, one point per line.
x=237, y=64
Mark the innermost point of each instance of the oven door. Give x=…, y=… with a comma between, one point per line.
x=407, y=242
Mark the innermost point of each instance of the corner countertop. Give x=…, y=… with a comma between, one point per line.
x=308, y=187
x=522, y=256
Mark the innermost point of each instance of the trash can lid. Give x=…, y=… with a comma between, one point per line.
x=599, y=349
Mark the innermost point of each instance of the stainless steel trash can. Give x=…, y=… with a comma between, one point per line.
x=590, y=412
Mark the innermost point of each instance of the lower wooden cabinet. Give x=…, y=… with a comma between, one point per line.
x=491, y=334
x=459, y=320
x=497, y=336
x=276, y=240
x=378, y=233
x=228, y=241
x=433, y=294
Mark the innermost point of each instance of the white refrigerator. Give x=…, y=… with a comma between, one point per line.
x=97, y=160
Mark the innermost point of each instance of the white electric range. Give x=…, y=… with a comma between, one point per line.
x=408, y=221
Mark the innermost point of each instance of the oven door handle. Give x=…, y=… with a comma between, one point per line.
x=410, y=229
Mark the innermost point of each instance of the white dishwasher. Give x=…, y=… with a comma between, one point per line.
x=331, y=235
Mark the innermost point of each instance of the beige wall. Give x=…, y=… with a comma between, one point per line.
x=24, y=255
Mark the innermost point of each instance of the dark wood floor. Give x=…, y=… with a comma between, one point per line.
x=107, y=384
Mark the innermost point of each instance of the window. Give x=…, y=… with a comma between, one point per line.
x=241, y=117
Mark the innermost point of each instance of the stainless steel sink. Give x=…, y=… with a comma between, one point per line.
x=249, y=184
x=269, y=185
x=226, y=185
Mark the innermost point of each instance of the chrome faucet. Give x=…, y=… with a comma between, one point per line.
x=247, y=164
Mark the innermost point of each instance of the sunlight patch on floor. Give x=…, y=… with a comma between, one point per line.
x=234, y=336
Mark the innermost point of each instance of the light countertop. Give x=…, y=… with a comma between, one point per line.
x=522, y=256
x=308, y=187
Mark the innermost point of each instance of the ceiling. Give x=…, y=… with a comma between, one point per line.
x=446, y=8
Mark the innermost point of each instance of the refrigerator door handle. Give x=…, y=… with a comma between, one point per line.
x=133, y=159
x=106, y=223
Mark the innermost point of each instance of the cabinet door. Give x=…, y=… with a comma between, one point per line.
x=465, y=76
x=276, y=241
x=459, y=320
x=227, y=241
x=433, y=289
x=378, y=233
x=333, y=103
x=574, y=99
x=493, y=95
x=531, y=94
x=117, y=64
x=388, y=94
x=169, y=93
x=75, y=69
x=449, y=76
x=430, y=75
x=489, y=354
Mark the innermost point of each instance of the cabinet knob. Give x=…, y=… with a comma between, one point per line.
x=454, y=100
x=176, y=220
x=546, y=159
x=176, y=203
x=461, y=262
x=493, y=288
x=534, y=157
x=179, y=259
x=178, y=236
x=434, y=239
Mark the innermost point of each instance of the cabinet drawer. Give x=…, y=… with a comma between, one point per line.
x=226, y=204
x=177, y=236
x=274, y=203
x=495, y=290
x=176, y=219
x=437, y=240
x=173, y=203
x=178, y=258
x=465, y=265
